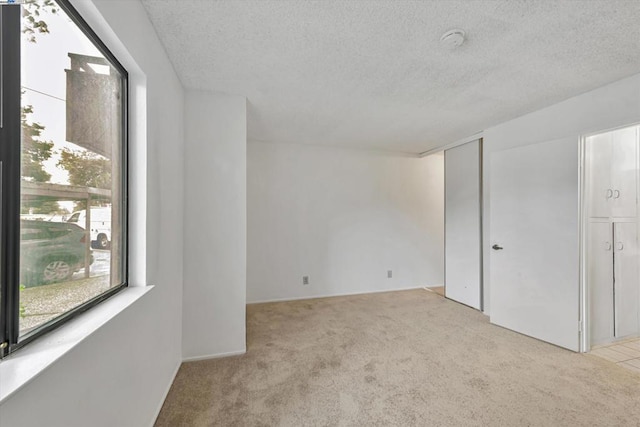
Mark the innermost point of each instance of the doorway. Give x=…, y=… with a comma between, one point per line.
x=463, y=223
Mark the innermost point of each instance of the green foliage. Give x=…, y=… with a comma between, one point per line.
x=22, y=309
x=42, y=206
x=86, y=169
x=34, y=149
x=33, y=24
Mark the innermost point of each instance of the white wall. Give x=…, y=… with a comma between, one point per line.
x=611, y=106
x=119, y=375
x=342, y=217
x=215, y=225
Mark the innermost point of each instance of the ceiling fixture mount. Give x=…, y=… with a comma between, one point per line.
x=453, y=38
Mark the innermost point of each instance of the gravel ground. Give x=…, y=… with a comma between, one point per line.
x=43, y=303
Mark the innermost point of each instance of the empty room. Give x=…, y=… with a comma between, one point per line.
x=319, y=213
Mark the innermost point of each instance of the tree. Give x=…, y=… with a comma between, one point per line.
x=86, y=169
x=34, y=149
x=31, y=15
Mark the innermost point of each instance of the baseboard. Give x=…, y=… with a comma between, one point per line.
x=334, y=295
x=214, y=356
x=166, y=393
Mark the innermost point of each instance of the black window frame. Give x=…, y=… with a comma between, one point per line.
x=10, y=178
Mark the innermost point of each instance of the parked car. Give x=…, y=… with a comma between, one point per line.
x=50, y=251
x=100, y=225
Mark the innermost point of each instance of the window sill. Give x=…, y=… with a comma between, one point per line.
x=27, y=363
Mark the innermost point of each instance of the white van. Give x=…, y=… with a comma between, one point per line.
x=100, y=225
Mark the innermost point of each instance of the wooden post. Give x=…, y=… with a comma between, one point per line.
x=117, y=209
x=87, y=230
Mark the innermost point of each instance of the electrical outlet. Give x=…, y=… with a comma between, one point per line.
x=305, y=280
x=389, y=274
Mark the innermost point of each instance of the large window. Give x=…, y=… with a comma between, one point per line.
x=62, y=169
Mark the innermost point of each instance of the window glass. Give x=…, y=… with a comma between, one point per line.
x=71, y=211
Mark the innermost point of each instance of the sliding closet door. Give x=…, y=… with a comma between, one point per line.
x=463, y=258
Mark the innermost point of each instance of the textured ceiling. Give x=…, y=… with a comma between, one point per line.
x=374, y=74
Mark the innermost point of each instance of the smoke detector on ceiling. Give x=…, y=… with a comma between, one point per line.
x=452, y=39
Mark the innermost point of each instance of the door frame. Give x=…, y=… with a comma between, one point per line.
x=585, y=302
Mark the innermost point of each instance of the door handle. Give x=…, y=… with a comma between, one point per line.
x=616, y=194
x=497, y=248
x=609, y=193
x=607, y=246
x=620, y=246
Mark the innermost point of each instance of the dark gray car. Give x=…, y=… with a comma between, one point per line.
x=50, y=251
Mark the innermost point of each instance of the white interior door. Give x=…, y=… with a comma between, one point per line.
x=534, y=218
x=463, y=246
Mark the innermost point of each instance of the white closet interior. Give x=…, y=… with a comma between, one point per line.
x=611, y=201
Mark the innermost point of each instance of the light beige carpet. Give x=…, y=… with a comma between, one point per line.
x=438, y=290
x=407, y=358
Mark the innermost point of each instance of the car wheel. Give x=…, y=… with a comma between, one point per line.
x=56, y=270
x=103, y=242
